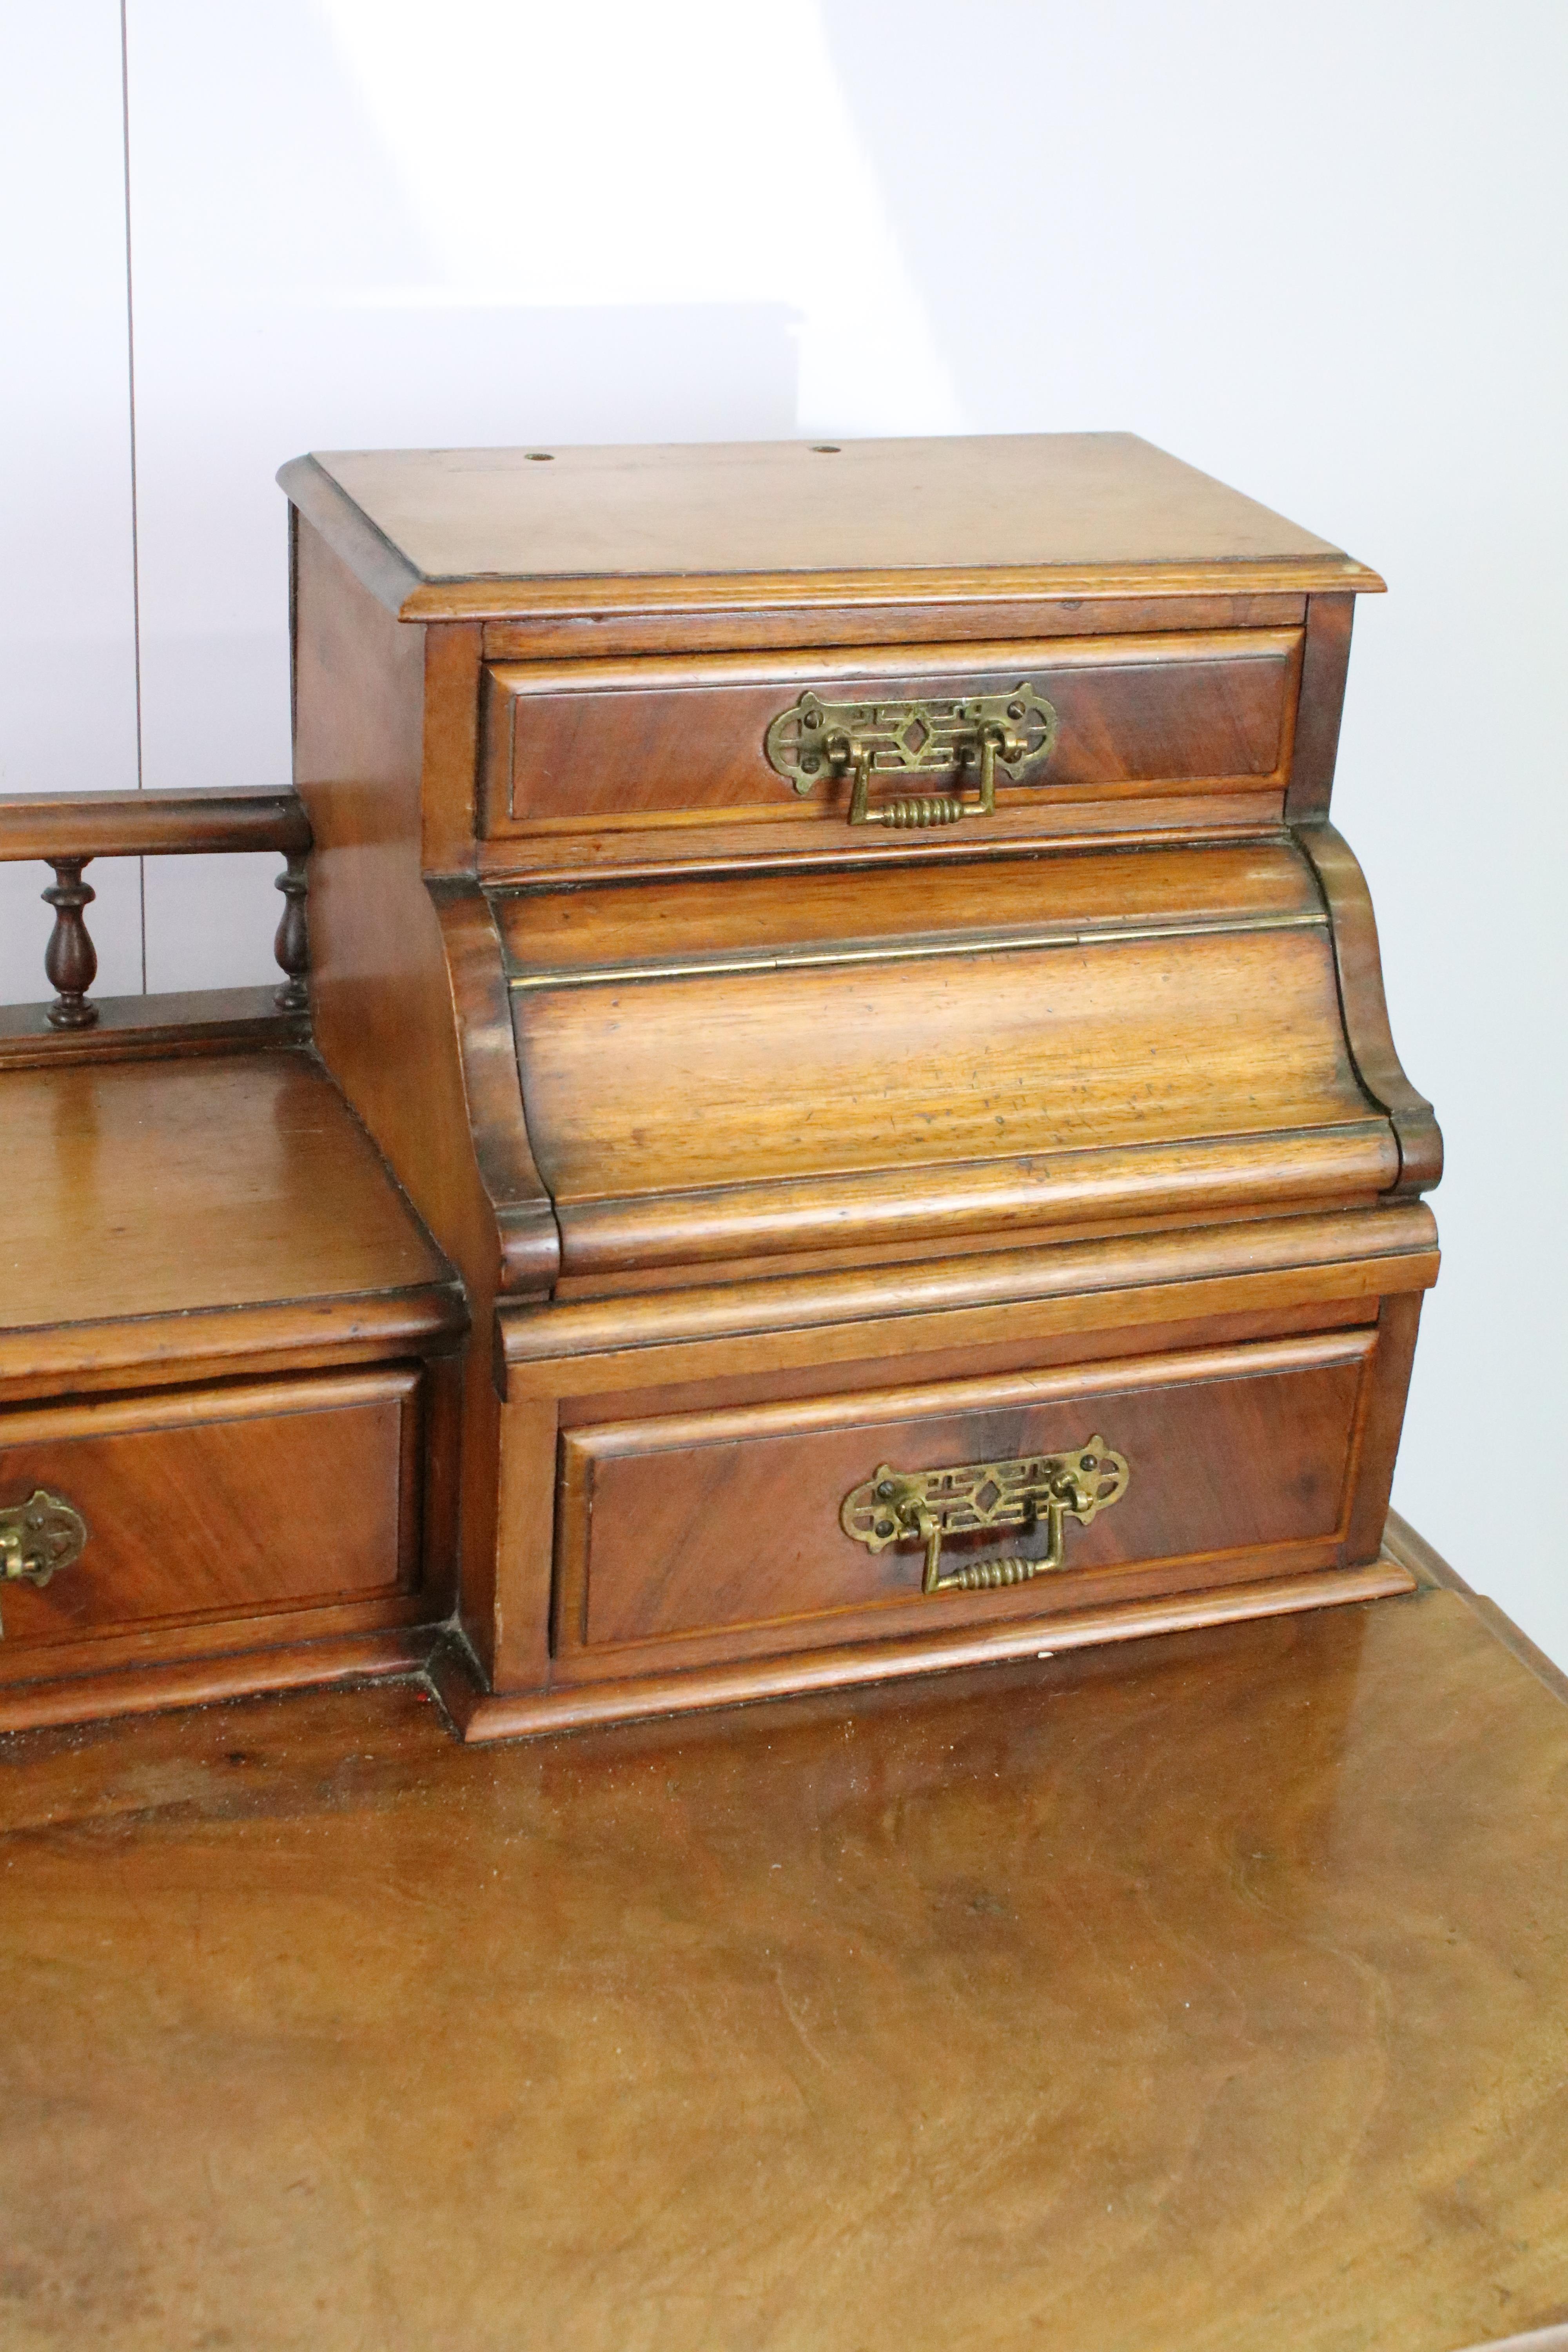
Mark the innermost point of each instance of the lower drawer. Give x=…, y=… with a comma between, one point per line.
x=829, y=1520
x=192, y=1505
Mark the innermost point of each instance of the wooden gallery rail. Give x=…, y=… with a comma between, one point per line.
x=67, y=830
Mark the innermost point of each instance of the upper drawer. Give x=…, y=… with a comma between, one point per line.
x=597, y=759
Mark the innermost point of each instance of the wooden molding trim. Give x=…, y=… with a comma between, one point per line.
x=143, y=1028
x=1364, y=1007
x=524, y=1211
x=479, y=1716
x=348, y=532
x=625, y=1321
x=201, y=1682
x=647, y=593
x=220, y=1342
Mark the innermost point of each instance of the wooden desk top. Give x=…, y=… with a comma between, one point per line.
x=439, y=533
x=1207, y=1994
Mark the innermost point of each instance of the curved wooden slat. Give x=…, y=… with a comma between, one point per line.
x=1365, y=1008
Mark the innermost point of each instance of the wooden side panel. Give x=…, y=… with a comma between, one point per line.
x=702, y=1522
x=219, y=1503
x=1324, y=668
x=381, y=988
x=597, y=745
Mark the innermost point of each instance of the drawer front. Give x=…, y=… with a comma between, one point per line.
x=209, y=1504
x=747, y=1529
x=607, y=746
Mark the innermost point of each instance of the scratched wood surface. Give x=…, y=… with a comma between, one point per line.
x=1202, y=1996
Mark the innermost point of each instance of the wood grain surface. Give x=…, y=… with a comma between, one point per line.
x=132, y=825
x=450, y=533
x=226, y=1501
x=1205, y=1996
x=687, y=1524
x=169, y=1187
x=588, y=744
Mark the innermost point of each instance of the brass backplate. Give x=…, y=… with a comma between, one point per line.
x=39, y=1537
x=814, y=739
x=930, y=1506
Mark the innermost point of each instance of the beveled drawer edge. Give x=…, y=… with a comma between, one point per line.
x=824, y=626
x=688, y=674
x=985, y=1391
x=190, y=1405
x=162, y=1352
x=554, y=1332
x=657, y=593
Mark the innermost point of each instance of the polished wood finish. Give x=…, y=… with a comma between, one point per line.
x=691, y=1523
x=595, y=746
x=292, y=942
x=730, y=1420
x=981, y=614
x=150, y=825
x=1324, y=668
x=70, y=829
x=1349, y=902
x=1203, y=1992
x=135, y=1028
x=180, y=1188
x=454, y=534
x=217, y=1503
x=70, y=959
x=699, y=1087
x=225, y=1339
x=1092, y=1063
x=409, y=999
x=787, y=1320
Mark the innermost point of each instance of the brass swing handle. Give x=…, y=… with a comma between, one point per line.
x=39, y=1537
x=812, y=740
x=930, y=1505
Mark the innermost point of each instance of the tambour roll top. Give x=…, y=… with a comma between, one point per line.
x=1052, y=1041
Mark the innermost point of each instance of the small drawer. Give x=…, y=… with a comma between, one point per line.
x=629, y=747
x=200, y=1504
x=851, y=1517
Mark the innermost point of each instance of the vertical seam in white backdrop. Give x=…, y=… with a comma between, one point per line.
x=131, y=396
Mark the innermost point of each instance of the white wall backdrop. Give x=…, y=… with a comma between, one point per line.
x=1318, y=252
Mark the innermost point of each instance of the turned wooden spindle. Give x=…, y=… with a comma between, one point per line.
x=70, y=959
x=292, y=944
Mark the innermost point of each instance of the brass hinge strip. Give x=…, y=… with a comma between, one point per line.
x=905, y=950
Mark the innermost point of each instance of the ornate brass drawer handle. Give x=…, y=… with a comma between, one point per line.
x=899, y=1505
x=37, y=1536
x=813, y=739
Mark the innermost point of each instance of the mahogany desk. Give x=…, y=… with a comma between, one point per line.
x=1208, y=1994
